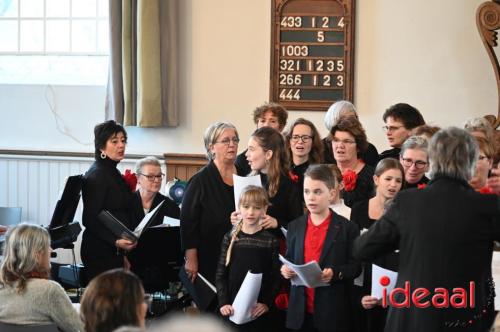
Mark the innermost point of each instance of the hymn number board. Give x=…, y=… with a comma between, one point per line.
x=312, y=53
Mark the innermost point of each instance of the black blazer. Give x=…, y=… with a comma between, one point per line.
x=445, y=236
x=205, y=217
x=103, y=189
x=169, y=209
x=331, y=304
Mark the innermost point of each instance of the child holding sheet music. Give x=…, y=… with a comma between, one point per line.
x=248, y=247
x=325, y=237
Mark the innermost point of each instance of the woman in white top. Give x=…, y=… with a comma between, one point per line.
x=27, y=296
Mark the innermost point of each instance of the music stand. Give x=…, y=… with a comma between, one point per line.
x=157, y=258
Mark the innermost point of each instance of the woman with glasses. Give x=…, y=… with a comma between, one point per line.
x=209, y=201
x=339, y=110
x=114, y=298
x=304, y=144
x=104, y=188
x=415, y=161
x=483, y=166
x=147, y=197
x=348, y=142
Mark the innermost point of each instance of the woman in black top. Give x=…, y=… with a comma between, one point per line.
x=304, y=144
x=209, y=201
x=415, y=161
x=348, y=142
x=104, y=188
x=266, y=156
x=388, y=178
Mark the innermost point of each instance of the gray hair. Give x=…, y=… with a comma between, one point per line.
x=336, y=111
x=150, y=160
x=23, y=244
x=415, y=142
x=453, y=152
x=212, y=134
x=480, y=124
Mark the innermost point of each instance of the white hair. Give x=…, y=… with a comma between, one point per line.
x=336, y=111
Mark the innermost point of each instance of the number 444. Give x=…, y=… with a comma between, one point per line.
x=290, y=94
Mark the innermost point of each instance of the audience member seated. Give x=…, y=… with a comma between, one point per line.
x=304, y=144
x=348, y=141
x=337, y=111
x=113, y=299
x=483, y=166
x=268, y=115
x=149, y=178
x=399, y=120
x=424, y=131
x=27, y=296
x=190, y=323
x=415, y=161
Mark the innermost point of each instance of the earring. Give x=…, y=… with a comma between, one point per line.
x=103, y=155
x=267, y=162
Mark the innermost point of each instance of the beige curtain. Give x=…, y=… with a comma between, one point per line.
x=142, y=85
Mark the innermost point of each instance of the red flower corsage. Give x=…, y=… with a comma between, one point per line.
x=281, y=301
x=293, y=176
x=131, y=179
x=349, y=179
x=486, y=190
x=421, y=185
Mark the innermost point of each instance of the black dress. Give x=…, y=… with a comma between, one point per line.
x=242, y=164
x=370, y=156
x=372, y=320
x=103, y=189
x=257, y=253
x=364, y=187
x=299, y=170
x=168, y=209
x=285, y=204
x=205, y=217
x=391, y=153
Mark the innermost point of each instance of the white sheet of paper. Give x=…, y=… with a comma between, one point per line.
x=495, y=269
x=283, y=230
x=138, y=230
x=377, y=273
x=171, y=221
x=246, y=298
x=240, y=182
x=308, y=274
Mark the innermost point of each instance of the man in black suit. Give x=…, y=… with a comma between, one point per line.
x=445, y=235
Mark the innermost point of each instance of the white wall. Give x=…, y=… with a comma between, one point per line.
x=427, y=53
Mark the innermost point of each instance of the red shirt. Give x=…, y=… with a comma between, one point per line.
x=313, y=245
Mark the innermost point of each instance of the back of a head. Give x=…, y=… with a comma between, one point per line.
x=112, y=299
x=335, y=112
x=23, y=244
x=480, y=125
x=191, y=323
x=408, y=115
x=453, y=152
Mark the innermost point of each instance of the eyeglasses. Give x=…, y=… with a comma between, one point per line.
x=408, y=162
x=303, y=138
x=227, y=141
x=343, y=141
x=148, y=299
x=391, y=128
x=152, y=178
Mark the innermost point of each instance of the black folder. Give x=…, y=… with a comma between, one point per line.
x=119, y=230
x=203, y=294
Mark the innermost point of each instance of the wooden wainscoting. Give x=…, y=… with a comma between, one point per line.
x=183, y=166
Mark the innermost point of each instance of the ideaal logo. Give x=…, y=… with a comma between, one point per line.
x=440, y=298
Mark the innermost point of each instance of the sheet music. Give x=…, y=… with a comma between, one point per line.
x=308, y=274
x=240, y=182
x=144, y=222
x=172, y=222
x=377, y=273
x=283, y=230
x=246, y=298
x=209, y=284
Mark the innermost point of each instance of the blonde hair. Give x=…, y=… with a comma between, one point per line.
x=251, y=195
x=23, y=244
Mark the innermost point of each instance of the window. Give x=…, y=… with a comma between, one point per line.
x=54, y=27
x=54, y=41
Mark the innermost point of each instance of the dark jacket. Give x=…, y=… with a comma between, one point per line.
x=103, y=189
x=205, y=217
x=445, y=236
x=331, y=303
x=168, y=209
